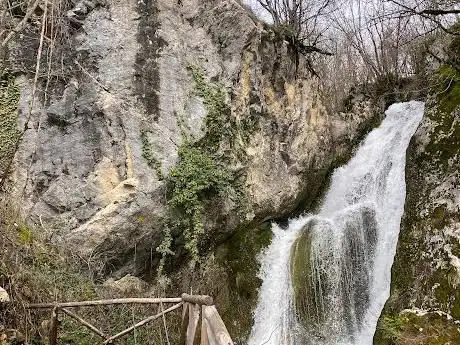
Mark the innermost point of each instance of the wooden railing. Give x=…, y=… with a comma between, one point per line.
x=199, y=311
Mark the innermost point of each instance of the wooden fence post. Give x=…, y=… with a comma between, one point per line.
x=194, y=318
x=184, y=325
x=204, y=331
x=216, y=331
x=54, y=324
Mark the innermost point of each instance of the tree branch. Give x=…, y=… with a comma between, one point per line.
x=21, y=24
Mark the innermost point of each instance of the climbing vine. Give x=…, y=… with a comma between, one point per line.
x=149, y=156
x=197, y=177
x=201, y=173
x=217, y=122
x=164, y=249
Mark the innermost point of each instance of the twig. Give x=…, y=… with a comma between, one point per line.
x=39, y=56
x=448, y=86
x=21, y=24
x=103, y=87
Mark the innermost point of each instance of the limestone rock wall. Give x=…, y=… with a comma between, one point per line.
x=99, y=141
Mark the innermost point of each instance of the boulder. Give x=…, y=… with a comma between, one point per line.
x=4, y=297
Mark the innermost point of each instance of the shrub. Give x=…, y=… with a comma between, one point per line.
x=196, y=178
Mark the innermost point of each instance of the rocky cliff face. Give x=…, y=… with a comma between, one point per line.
x=424, y=306
x=164, y=110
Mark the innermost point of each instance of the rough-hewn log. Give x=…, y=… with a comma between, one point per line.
x=54, y=324
x=193, y=319
x=164, y=325
x=216, y=330
x=184, y=325
x=140, y=324
x=85, y=323
x=104, y=302
x=198, y=299
x=204, y=332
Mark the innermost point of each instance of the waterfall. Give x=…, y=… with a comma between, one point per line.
x=326, y=277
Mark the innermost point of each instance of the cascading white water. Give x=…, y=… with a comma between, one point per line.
x=351, y=244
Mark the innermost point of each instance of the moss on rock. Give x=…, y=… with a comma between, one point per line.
x=239, y=257
x=9, y=133
x=148, y=154
x=410, y=328
x=423, y=275
x=301, y=280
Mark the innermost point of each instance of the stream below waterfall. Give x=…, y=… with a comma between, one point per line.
x=326, y=277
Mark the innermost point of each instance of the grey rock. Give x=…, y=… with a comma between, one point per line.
x=126, y=285
x=4, y=297
x=80, y=165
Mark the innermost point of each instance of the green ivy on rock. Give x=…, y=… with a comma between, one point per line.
x=197, y=177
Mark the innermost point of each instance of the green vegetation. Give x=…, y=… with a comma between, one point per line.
x=197, y=177
x=201, y=173
x=164, y=249
x=389, y=328
x=9, y=133
x=413, y=329
x=300, y=267
x=448, y=91
x=147, y=153
x=217, y=122
x=25, y=235
x=33, y=271
x=238, y=257
x=230, y=275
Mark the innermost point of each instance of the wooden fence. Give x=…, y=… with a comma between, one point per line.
x=201, y=323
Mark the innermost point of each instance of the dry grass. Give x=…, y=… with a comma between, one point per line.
x=34, y=271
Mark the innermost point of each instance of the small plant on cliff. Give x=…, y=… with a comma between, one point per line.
x=217, y=124
x=390, y=327
x=196, y=178
x=164, y=249
x=149, y=156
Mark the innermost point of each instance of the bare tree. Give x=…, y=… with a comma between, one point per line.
x=441, y=13
x=301, y=21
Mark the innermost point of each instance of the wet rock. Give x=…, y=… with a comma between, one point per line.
x=426, y=270
x=325, y=253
